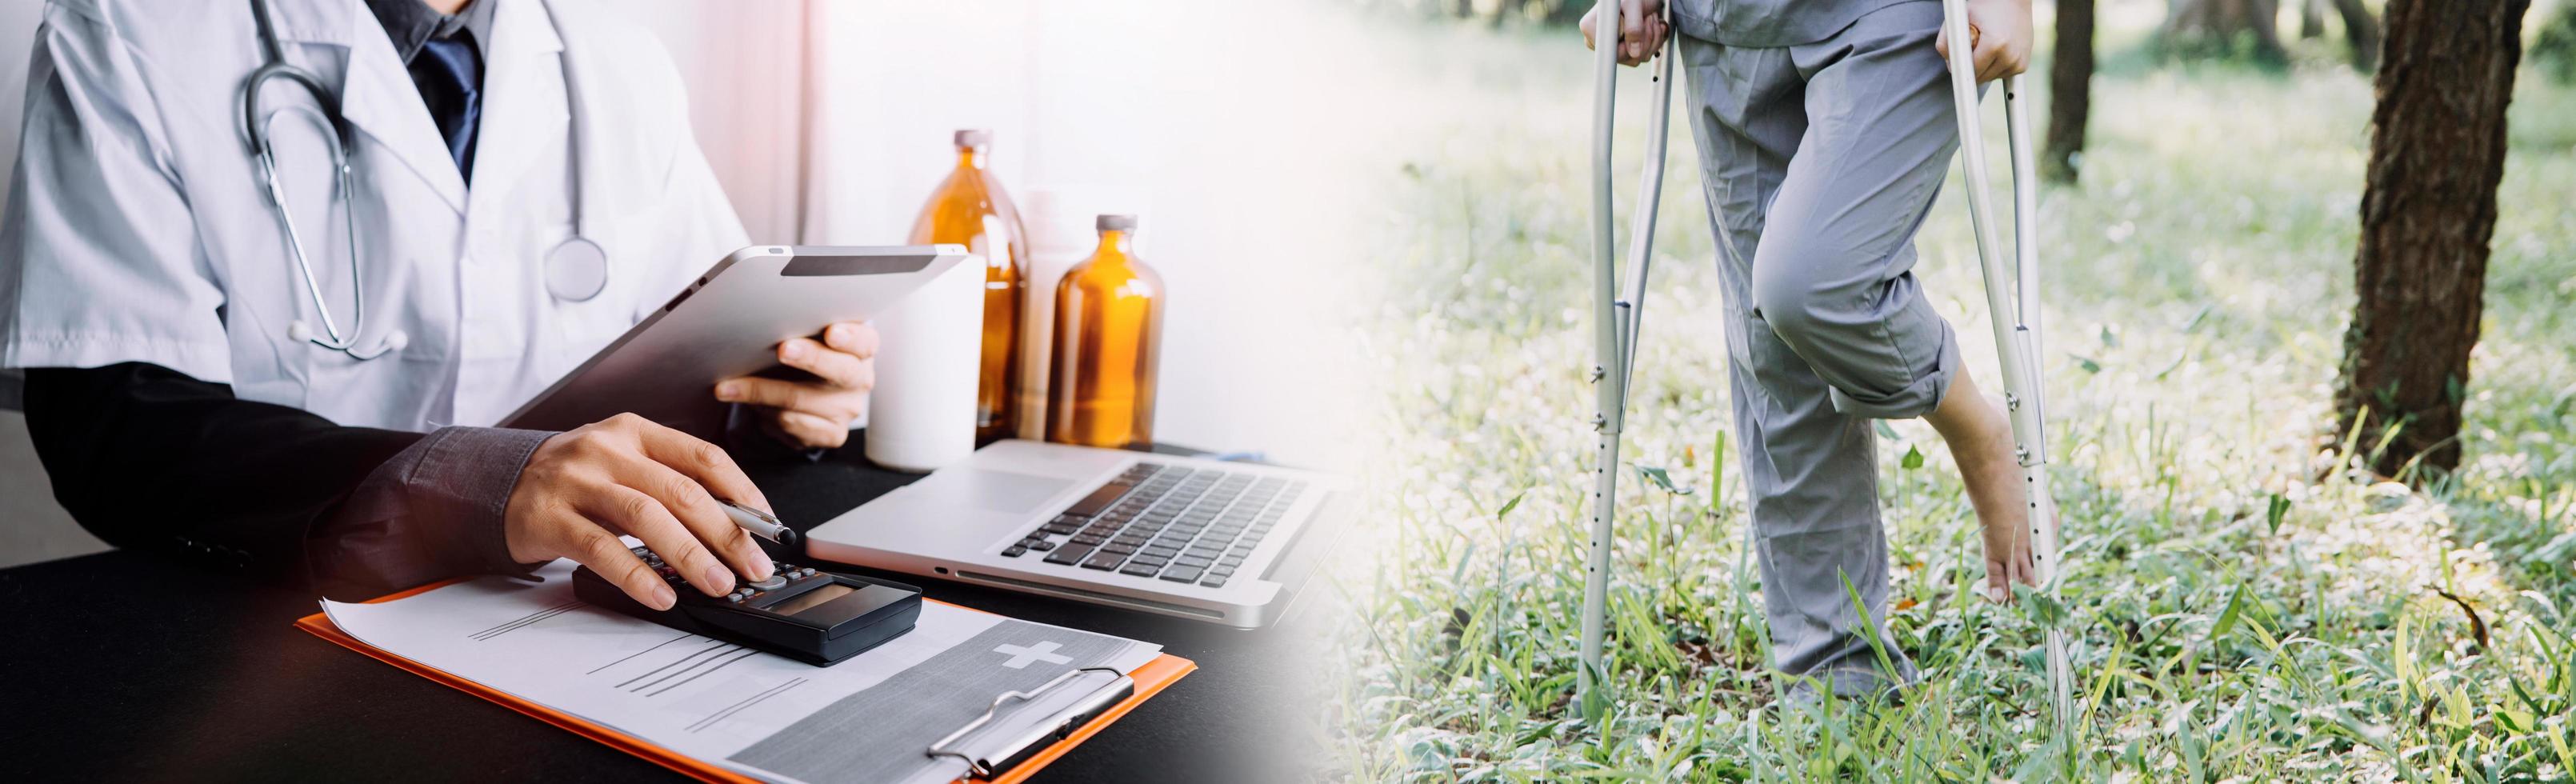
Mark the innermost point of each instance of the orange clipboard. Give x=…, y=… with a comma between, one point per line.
x=1150, y=680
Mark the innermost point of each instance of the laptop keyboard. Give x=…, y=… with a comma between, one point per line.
x=1179, y=524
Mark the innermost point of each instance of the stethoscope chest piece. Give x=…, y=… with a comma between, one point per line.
x=576, y=270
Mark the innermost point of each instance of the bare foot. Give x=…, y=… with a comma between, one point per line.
x=1981, y=442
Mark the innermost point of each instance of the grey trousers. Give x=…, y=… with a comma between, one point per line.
x=1821, y=161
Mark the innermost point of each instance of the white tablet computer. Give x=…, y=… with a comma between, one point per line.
x=729, y=324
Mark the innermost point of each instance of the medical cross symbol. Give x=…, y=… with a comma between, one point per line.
x=1021, y=657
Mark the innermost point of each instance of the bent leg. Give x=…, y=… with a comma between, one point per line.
x=1810, y=471
x=1834, y=277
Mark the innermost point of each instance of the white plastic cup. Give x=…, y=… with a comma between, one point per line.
x=921, y=415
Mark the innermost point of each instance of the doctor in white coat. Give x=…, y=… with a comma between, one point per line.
x=192, y=388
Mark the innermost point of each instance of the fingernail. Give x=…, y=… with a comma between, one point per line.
x=719, y=578
x=794, y=351
x=765, y=567
x=728, y=390
x=839, y=334
x=663, y=598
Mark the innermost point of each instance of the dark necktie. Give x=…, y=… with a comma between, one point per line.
x=449, y=73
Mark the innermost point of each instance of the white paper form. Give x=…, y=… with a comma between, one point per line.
x=868, y=718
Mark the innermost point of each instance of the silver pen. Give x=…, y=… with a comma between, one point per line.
x=761, y=524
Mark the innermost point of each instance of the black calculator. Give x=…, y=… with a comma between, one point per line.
x=800, y=612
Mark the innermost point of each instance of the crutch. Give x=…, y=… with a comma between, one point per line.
x=2012, y=298
x=1615, y=320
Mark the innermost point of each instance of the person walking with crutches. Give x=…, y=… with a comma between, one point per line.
x=1824, y=129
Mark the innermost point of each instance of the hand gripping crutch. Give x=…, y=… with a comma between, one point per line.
x=1615, y=320
x=2017, y=344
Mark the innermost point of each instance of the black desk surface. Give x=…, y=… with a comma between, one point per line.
x=123, y=665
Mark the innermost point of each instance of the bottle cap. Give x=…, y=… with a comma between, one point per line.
x=974, y=137
x=1114, y=223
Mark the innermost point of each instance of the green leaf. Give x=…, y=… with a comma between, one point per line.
x=1717, y=473
x=2087, y=363
x=1913, y=458
x=2109, y=340
x=1510, y=505
x=1660, y=478
x=2193, y=324
x=2279, y=508
x=2179, y=358
x=1538, y=732
x=2038, y=767
x=2227, y=618
x=2042, y=607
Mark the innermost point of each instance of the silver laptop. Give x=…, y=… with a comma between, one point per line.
x=1230, y=543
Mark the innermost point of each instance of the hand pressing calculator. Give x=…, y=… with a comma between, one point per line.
x=800, y=612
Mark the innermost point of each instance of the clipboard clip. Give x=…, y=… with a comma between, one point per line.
x=998, y=761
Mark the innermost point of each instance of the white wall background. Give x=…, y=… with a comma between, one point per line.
x=1219, y=123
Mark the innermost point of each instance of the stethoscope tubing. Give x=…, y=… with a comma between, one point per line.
x=295, y=239
x=257, y=129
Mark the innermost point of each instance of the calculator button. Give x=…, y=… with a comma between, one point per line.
x=805, y=572
x=775, y=582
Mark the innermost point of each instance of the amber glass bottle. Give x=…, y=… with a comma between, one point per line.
x=1108, y=334
x=970, y=209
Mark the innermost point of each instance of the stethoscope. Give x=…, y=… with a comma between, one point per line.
x=576, y=270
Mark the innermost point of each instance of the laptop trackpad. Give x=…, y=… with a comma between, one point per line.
x=997, y=491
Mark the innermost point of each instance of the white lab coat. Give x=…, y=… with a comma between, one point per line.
x=137, y=229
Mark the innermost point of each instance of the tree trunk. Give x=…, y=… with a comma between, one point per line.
x=2220, y=23
x=2428, y=208
x=2070, y=91
x=2364, y=33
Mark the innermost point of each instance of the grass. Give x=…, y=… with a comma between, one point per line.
x=2247, y=606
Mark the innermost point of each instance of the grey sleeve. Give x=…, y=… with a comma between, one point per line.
x=433, y=511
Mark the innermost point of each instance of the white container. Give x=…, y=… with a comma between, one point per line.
x=922, y=414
